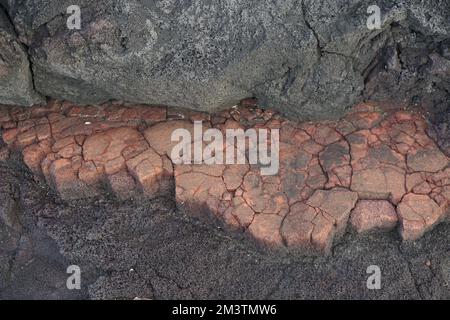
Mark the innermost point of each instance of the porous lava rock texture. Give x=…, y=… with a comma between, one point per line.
x=373, y=170
x=310, y=59
x=16, y=81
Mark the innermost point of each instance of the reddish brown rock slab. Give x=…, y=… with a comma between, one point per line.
x=298, y=227
x=370, y=159
x=386, y=183
x=233, y=176
x=336, y=204
x=154, y=114
x=34, y=154
x=428, y=160
x=66, y=182
x=200, y=187
x=109, y=145
x=335, y=161
x=265, y=229
x=89, y=173
x=9, y=136
x=417, y=214
x=264, y=194
x=370, y=215
x=333, y=209
x=144, y=113
x=365, y=119
x=153, y=173
x=159, y=136
x=76, y=155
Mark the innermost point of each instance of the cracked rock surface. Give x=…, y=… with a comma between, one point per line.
x=374, y=169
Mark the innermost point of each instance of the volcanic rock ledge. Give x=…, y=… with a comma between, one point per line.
x=372, y=170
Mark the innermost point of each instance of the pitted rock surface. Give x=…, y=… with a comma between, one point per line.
x=309, y=59
x=373, y=169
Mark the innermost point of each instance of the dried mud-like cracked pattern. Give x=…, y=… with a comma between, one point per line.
x=372, y=170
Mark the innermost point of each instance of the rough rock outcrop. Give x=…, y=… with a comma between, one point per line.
x=16, y=82
x=372, y=169
x=309, y=59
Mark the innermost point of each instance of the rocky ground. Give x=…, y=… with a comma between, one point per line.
x=151, y=250
x=94, y=186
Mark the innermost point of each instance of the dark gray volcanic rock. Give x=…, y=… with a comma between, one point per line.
x=16, y=85
x=309, y=59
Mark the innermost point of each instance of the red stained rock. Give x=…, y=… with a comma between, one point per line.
x=315, y=225
x=151, y=173
x=66, y=183
x=333, y=207
x=114, y=113
x=369, y=159
x=323, y=233
x=335, y=155
x=365, y=120
x=265, y=229
x=413, y=180
x=335, y=160
x=115, y=165
x=159, y=135
x=87, y=112
x=33, y=156
x=89, y=174
x=404, y=116
x=241, y=212
x=233, y=176
x=417, y=214
x=8, y=125
x=26, y=138
x=43, y=132
x=423, y=188
x=106, y=146
x=428, y=160
x=61, y=124
x=370, y=215
x=325, y=135
x=196, y=191
x=19, y=113
x=9, y=136
x=62, y=143
x=70, y=151
x=387, y=183
x=153, y=114
x=298, y=226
